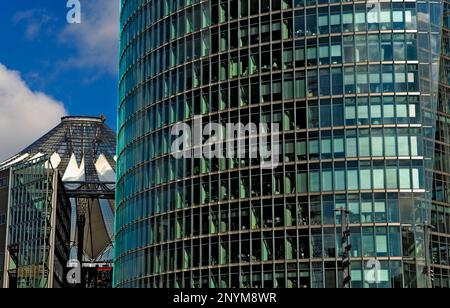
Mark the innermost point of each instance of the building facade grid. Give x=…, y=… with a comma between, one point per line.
x=440, y=214
x=353, y=87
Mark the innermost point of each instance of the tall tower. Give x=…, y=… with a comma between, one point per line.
x=440, y=211
x=353, y=87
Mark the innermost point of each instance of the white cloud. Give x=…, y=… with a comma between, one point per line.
x=24, y=115
x=37, y=22
x=96, y=38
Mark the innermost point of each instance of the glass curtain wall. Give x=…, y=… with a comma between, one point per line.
x=353, y=86
x=440, y=215
x=29, y=229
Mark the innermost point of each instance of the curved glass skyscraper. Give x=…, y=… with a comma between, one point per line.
x=440, y=214
x=353, y=89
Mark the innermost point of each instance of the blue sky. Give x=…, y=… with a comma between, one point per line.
x=50, y=68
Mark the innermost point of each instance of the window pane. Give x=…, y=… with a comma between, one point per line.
x=405, y=178
x=352, y=177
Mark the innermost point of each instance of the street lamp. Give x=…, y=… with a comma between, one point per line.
x=346, y=247
x=427, y=236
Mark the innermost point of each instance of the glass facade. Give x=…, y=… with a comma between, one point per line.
x=440, y=215
x=354, y=88
x=39, y=227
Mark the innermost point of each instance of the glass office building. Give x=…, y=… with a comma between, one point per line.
x=354, y=88
x=440, y=214
x=38, y=234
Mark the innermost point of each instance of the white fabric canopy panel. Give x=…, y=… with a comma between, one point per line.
x=55, y=160
x=96, y=236
x=108, y=216
x=98, y=230
x=105, y=172
x=74, y=173
x=38, y=155
x=8, y=160
x=17, y=160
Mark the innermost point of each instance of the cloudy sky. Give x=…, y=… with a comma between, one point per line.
x=49, y=68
